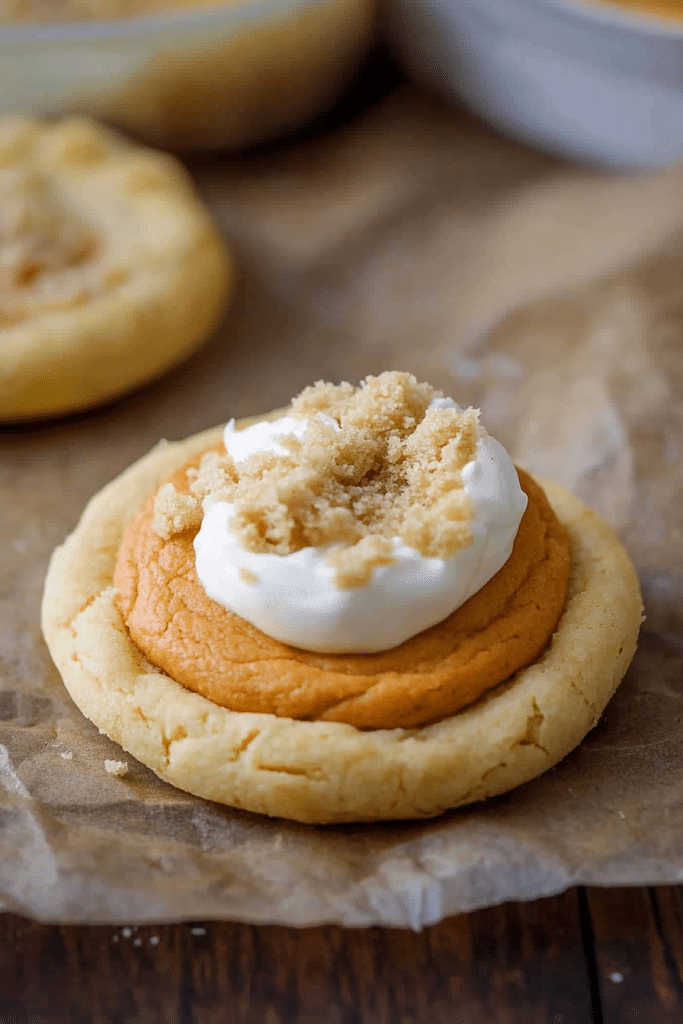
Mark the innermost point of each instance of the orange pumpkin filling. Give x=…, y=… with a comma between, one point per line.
x=210, y=650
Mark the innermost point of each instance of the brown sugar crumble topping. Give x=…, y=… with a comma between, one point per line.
x=375, y=463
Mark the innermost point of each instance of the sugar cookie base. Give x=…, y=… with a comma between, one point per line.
x=322, y=772
x=152, y=226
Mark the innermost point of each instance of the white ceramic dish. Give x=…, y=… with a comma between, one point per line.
x=580, y=79
x=220, y=77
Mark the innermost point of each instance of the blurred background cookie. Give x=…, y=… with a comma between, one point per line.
x=183, y=75
x=111, y=267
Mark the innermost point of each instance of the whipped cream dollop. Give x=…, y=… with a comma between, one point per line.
x=294, y=598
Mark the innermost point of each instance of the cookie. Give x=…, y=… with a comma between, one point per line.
x=112, y=270
x=321, y=771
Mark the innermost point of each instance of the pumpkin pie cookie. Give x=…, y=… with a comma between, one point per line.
x=477, y=703
x=111, y=270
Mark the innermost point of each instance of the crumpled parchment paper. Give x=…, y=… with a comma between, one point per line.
x=550, y=295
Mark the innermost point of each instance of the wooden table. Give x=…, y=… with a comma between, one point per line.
x=596, y=956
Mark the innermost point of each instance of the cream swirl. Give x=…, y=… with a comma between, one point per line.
x=293, y=598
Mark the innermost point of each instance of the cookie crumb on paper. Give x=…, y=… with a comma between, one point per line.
x=116, y=768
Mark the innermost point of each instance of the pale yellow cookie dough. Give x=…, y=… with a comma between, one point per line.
x=328, y=771
x=111, y=270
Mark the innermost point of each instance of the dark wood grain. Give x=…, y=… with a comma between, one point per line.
x=639, y=954
x=516, y=964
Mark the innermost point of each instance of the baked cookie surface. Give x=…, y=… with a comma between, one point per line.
x=329, y=771
x=111, y=270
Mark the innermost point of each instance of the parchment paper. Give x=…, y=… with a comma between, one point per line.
x=548, y=294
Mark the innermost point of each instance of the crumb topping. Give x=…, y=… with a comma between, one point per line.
x=375, y=463
x=353, y=566
x=248, y=576
x=46, y=251
x=174, y=512
x=216, y=477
